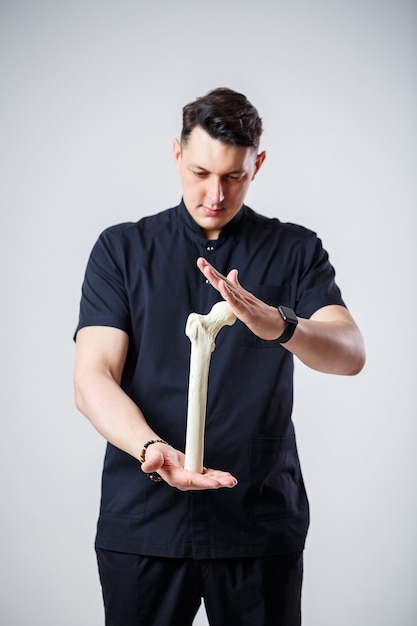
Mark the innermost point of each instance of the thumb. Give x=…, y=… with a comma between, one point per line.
x=154, y=460
x=232, y=276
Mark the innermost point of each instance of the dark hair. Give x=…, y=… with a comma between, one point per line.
x=225, y=115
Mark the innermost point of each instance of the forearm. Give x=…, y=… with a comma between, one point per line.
x=120, y=421
x=329, y=341
x=114, y=415
x=333, y=347
x=99, y=362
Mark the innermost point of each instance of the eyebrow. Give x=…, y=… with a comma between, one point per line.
x=203, y=169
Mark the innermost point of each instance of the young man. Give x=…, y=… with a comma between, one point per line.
x=235, y=539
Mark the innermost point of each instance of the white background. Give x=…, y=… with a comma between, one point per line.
x=91, y=97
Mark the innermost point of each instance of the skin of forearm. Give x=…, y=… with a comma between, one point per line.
x=112, y=413
x=332, y=347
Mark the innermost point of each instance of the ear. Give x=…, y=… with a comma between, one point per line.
x=258, y=163
x=176, y=149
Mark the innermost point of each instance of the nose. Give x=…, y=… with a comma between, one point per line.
x=215, y=190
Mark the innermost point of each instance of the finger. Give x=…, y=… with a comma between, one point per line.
x=209, y=271
x=216, y=477
x=230, y=280
x=202, y=264
x=206, y=484
x=224, y=477
x=191, y=481
x=224, y=284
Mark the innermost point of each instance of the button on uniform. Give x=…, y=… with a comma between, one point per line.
x=209, y=248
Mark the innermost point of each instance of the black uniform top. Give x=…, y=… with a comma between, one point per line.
x=142, y=278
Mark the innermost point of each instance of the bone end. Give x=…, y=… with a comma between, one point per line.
x=222, y=312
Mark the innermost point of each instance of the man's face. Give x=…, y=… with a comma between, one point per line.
x=215, y=178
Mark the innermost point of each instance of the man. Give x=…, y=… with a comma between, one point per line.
x=167, y=537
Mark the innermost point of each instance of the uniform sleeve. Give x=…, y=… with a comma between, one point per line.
x=316, y=286
x=104, y=300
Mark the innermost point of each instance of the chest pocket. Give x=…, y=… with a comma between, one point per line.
x=274, y=295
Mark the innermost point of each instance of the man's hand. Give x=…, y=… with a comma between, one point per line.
x=262, y=319
x=329, y=341
x=169, y=463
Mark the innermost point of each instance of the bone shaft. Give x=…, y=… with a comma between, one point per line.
x=196, y=412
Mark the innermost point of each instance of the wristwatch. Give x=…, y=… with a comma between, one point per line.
x=291, y=322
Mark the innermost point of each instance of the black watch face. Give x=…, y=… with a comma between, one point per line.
x=288, y=314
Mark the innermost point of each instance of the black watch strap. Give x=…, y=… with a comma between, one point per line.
x=291, y=322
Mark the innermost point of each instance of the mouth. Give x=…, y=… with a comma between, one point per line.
x=210, y=211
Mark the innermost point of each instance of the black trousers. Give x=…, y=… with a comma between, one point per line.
x=153, y=591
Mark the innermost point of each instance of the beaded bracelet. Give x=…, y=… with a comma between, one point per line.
x=154, y=476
